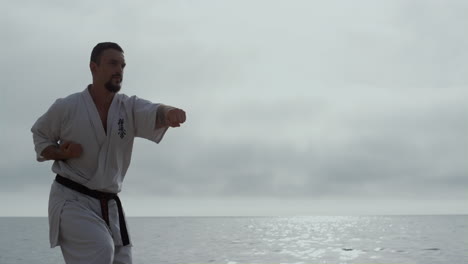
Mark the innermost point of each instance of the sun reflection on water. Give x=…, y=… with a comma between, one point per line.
x=311, y=238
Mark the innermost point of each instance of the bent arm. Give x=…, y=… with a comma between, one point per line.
x=46, y=136
x=46, y=130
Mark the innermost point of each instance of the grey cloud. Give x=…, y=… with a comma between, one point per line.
x=243, y=169
x=300, y=99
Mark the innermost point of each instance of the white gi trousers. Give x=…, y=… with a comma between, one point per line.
x=77, y=226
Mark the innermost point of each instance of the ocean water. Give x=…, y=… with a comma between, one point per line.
x=232, y=240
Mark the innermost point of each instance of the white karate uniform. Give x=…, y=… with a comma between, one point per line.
x=75, y=219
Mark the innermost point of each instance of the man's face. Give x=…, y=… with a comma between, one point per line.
x=110, y=69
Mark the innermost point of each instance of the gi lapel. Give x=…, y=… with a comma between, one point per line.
x=94, y=118
x=112, y=116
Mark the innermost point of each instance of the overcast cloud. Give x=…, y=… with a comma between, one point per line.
x=286, y=101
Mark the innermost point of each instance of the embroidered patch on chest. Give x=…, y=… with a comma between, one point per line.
x=121, y=131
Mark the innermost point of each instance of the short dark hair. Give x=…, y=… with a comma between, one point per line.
x=101, y=47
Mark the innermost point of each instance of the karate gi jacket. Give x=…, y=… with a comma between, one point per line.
x=106, y=154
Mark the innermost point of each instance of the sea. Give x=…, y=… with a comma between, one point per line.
x=236, y=240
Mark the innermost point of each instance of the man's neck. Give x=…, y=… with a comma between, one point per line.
x=101, y=96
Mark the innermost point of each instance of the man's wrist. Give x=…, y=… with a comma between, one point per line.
x=161, y=120
x=53, y=153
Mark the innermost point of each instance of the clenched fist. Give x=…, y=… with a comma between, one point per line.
x=71, y=150
x=175, y=117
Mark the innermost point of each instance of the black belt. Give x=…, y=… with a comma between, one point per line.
x=104, y=198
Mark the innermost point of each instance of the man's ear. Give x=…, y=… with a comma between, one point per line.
x=93, y=67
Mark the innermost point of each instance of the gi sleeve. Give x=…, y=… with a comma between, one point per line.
x=46, y=130
x=145, y=114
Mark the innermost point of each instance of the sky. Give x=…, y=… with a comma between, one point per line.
x=293, y=107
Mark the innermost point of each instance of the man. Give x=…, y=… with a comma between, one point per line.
x=90, y=135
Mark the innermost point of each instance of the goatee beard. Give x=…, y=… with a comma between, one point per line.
x=111, y=87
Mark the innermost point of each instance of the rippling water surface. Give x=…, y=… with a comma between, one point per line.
x=334, y=239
